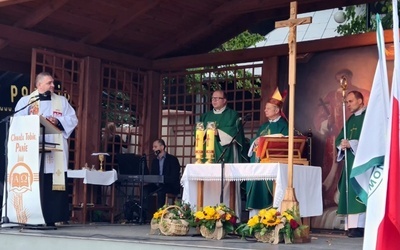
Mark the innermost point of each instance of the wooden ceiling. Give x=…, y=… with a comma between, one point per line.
x=136, y=32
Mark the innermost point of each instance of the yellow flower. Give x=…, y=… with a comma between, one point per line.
x=262, y=212
x=208, y=217
x=287, y=215
x=209, y=211
x=272, y=211
x=157, y=214
x=267, y=220
x=268, y=217
x=211, y=216
x=253, y=221
x=199, y=215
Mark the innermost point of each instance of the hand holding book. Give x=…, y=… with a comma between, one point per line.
x=52, y=119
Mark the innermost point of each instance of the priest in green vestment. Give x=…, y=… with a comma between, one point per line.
x=228, y=123
x=351, y=205
x=259, y=193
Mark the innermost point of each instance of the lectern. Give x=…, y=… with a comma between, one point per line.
x=24, y=172
x=272, y=149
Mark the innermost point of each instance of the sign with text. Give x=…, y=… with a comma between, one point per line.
x=23, y=203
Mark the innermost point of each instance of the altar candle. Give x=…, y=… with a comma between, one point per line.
x=210, y=141
x=199, y=140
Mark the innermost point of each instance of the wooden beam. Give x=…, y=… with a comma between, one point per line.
x=258, y=54
x=4, y=3
x=151, y=110
x=11, y=65
x=225, y=31
x=238, y=7
x=91, y=110
x=269, y=79
x=290, y=201
x=221, y=18
x=40, y=13
x=189, y=37
x=16, y=54
x=298, y=21
x=185, y=37
x=137, y=10
x=35, y=39
x=35, y=17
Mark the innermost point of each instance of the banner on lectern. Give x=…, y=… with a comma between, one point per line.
x=23, y=203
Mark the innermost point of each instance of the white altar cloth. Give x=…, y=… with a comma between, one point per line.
x=307, y=181
x=94, y=177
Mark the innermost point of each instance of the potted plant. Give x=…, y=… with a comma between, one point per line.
x=215, y=221
x=172, y=220
x=272, y=226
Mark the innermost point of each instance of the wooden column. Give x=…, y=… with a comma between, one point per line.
x=152, y=110
x=89, y=121
x=290, y=200
x=269, y=81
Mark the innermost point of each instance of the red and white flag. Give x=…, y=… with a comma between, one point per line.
x=383, y=216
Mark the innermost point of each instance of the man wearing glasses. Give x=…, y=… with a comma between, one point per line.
x=227, y=124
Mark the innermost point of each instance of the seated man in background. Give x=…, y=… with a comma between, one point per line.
x=168, y=166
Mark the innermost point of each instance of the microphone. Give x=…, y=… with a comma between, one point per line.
x=44, y=95
x=246, y=117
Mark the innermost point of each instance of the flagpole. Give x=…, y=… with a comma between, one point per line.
x=343, y=85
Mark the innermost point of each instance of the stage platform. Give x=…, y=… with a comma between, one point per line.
x=131, y=236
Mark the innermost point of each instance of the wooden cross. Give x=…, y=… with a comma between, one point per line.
x=290, y=198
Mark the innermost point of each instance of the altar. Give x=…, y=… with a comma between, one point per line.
x=307, y=181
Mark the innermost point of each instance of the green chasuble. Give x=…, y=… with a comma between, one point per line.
x=227, y=123
x=353, y=130
x=259, y=193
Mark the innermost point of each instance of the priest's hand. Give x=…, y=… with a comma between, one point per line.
x=344, y=144
x=52, y=120
x=256, y=141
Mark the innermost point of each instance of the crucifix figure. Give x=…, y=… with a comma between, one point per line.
x=290, y=200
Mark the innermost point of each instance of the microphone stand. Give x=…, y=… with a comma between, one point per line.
x=6, y=119
x=142, y=162
x=222, y=161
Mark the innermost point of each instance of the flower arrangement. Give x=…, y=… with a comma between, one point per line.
x=180, y=211
x=157, y=215
x=269, y=224
x=213, y=218
x=169, y=219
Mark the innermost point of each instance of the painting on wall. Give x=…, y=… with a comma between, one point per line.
x=319, y=106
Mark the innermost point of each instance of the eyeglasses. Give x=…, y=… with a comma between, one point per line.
x=216, y=98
